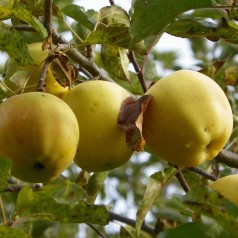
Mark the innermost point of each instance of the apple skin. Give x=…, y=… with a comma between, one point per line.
x=102, y=144
x=188, y=120
x=227, y=186
x=38, y=55
x=39, y=133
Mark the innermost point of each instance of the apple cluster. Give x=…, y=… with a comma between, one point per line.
x=188, y=121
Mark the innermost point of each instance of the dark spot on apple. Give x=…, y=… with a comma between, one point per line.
x=38, y=166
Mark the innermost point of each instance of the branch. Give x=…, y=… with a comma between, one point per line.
x=228, y=158
x=48, y=16
x=74, y=54
x=140, y=75
x=131, y=222
x=203, y=173
x=111, y=2
x=182, y=180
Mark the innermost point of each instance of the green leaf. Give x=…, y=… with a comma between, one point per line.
x=129, y=232
x=12, y=43
x=150, y=17
x=206, y=228
x=113, y=16
x=39, y=203
x=114, y=36
x=26, y=16
x=5, y=8
x=156, y=183
x=95, y=184
x=209, y=203
x=6, y=231
x=5, y=167
x=116, y=62
x=77, y=13
x=189, y=28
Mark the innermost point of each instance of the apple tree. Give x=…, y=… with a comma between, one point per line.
x=146, y=196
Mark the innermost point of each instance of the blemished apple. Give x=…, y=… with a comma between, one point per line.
x=39, y=133
x=102, y=144
x=189, y=119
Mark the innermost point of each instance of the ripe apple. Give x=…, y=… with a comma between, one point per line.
x=102, y=144
x=38, y=56
x=228, y=187
x=39, y=133
x=188, y=120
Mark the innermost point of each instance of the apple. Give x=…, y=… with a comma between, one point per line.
x=188, y=120
x=16, y=80
x=39, y=133
x=227, y=186
x=102, y=144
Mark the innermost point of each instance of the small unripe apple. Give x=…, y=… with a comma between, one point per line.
x=102, y=144
x=228, y=187
x=39, y=133
x=189, y=118
x=38, y=55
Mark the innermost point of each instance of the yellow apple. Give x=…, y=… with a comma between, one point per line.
x=102, y=144
x=188, y=120
x=16, y=80
x=228, y=187
x=39, y=133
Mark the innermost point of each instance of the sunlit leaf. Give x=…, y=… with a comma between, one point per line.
x=113, y=16
x=114, y=36
x=27, y=17
x=156, y=183
x=150, y=17
x=77, y=13
x=5, y=8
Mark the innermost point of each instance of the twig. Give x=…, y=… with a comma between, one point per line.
x=48, y=16
x=182, y=180
x=80, y=59
x=24, y=28
x=228, y=158
x=140, y=75
x=96, y=230
x=111, y=2
x=41, y=81
x=203, y=173
x=131, y=222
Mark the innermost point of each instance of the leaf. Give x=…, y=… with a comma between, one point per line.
x=116, y=62
x=204, y=201
x=150, y=17
x=77, y=13
x=26, y=16
x=12, y=43
x=95, y=184
x=6, y=231
x=113, y=16
x=5, y=8
x=39, y=203
x=189, y=28
x=196, y=230
x=156, y=183
x=5, y=167
x=129, y=232
x=118, y=36
x=131, y=118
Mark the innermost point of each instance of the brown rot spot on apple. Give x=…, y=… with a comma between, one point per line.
x=38, y=166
